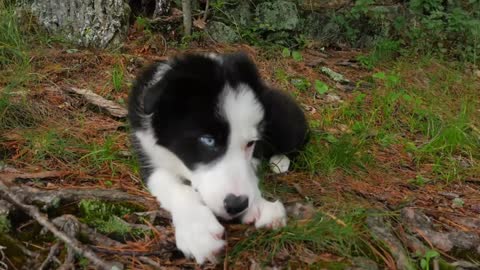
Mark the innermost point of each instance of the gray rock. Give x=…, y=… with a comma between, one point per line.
x=221, y=32
x=279, y=15
x=242, y=14
x=90, y=23
x=321, y=28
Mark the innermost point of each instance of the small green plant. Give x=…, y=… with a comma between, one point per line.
x=302, y=84
x=117, y=77
x=320, y=234
x=12, y=42
x=50, y=144
x=102, y=154
x=107, y=217
x=458, y=203
x=419, y=181
x=391, y=80
x=384, y=50
x=321, y=87
x=16, y=113
x=427, y=258
x=296, y=55
x=327, y=153
x=4, y=224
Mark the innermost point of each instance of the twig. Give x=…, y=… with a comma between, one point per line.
x=150, y=262
x=51, y=255
x=337, y=220
x=135, y=253
x=113, y=108
x=3, y=266
x=33, y=212
x=205, y=13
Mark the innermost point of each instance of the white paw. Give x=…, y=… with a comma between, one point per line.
x=199, y=234
x=279, y=163
x=267, y=214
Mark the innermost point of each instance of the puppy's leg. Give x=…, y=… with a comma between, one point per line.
x=198, y=233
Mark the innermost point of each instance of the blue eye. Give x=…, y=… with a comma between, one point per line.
x=207, y=140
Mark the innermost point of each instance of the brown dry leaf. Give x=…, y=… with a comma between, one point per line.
x=199, y=23
x=176, y=12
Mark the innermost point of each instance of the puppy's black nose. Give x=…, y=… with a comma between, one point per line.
x=235, y=204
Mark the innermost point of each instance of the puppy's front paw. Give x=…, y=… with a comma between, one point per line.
x=199, y=234
x=267, y=214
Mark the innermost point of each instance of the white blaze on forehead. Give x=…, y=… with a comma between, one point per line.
x=243, y=112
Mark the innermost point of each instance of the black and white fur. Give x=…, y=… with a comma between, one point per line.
x=200, y=124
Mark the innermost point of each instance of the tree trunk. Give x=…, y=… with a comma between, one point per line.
x=187, y=16
x=90, y=23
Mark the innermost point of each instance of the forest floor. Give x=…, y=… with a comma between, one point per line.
x=389, y=180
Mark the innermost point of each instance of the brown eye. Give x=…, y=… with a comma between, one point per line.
x=250, y=144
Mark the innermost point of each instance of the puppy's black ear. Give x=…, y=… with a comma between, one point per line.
x=153, y=95
x=286, y=128
x=240, y=68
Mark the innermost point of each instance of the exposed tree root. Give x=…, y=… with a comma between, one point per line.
x=32, y=211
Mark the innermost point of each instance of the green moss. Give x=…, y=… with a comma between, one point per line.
x=4, y=224
x=107, y=217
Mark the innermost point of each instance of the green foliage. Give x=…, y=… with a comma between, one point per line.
x=451, y=28
x=425, y=261
x=419, y=181
x=51, y=144
x=296, y=55
x=321, y=87
x=12, y=42
x=302, y=84
x=118, y=77
x=5, y=225
x=384, y=50
x=106, y=217
x=102, y=154
x=16, y=114
x=320, y=234
x=325, y=153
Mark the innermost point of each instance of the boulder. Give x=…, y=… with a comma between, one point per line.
x=279, y=15
x=322, y=28
x=89, y=23
x=242, y=14
x=221, y=32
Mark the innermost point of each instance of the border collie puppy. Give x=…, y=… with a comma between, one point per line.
x=200, y=124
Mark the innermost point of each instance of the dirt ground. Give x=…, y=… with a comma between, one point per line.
x=385, y=186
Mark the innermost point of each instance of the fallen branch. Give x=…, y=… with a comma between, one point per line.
x=103, y=242
x=33, y=212
x=52, y=197
x=113, y=108
x=132, y=252
x=382, y=231
x=416, y=221
x=12, y=176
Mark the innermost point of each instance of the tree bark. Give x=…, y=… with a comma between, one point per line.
x=187, y=16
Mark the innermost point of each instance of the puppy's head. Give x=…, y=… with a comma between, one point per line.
x=207, y=112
